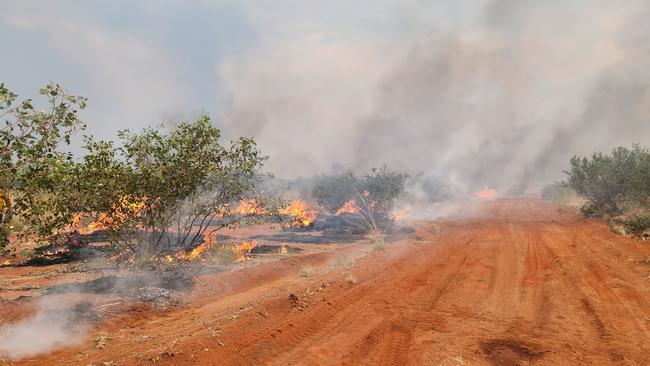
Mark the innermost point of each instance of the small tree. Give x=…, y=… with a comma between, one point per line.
x=32, y=168
x=373, y=194
x=167, y=189
x=608, y=181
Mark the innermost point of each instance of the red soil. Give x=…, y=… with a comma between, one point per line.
x=523, y=283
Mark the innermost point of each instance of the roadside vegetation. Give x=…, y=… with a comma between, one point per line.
x=614, y=186
x=154, y=190
x=371, y=196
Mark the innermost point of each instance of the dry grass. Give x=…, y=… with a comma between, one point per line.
x=307, y=271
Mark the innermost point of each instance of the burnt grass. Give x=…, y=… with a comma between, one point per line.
x=176, y=280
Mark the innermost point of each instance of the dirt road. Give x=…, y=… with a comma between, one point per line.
x=520, y=283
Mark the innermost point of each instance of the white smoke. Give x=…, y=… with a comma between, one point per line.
x=503, y=98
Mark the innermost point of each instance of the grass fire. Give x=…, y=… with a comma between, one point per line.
x=324, y=183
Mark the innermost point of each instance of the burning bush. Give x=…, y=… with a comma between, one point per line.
x=166, y=190
x=370, y=196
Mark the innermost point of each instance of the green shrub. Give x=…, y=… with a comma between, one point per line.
x=609, y=181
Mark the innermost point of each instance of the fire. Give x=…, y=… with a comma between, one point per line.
x=400, y=214
x=249, y=207
x=6, y=263
x=300, y=212
x=283, y=249
x=486, y=193
x=198, y=250
x=243, y=248
x=128, y=207
x=349, y=207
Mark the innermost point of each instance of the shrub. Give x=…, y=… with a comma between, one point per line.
x=608, y=181
x=373, y=194
x=165, y=189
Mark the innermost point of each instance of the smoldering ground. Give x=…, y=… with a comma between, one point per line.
x=504, y=97
x=67, y=312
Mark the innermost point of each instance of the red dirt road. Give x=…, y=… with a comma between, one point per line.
x=519, y=283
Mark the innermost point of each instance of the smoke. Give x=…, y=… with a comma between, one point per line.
x=54, y=325
x=503, y=98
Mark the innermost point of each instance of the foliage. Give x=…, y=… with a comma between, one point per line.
x=163, y=190
x=33, y=170
x=333, y=191
x=608, y=181
x=374, y=194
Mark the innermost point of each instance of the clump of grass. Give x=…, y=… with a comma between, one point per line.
x=307, y=271
x=637, y=225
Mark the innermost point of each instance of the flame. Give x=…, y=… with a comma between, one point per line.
x=486, y=193
x=283, y=249
x=169, y=258
x=349, y=207
x=300, y=212
x=242, y=249
x=198, y=250
x=6, y=263
x=400, y=214
x=128, y=207
x=249, y=207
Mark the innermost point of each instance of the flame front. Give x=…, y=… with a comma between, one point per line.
x=127, y=208
x=348, y=207
x=242, y=249
x=486, y=193
x=249, y=207
x=300, y=212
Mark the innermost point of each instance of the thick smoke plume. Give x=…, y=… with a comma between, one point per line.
x=504, y=98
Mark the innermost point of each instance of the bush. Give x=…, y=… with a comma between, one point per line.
x=609, y=181
x=373, y=195
x=165, y=189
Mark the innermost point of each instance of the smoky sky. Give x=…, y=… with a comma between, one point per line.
x=504, y=98
x=471, y=92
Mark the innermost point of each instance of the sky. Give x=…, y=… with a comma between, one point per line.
x=496, y=92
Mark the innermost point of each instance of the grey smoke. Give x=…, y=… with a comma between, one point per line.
x=504, y=98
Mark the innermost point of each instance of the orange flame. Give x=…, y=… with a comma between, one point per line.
x=300, y=212
x=349, y=207
x=486, y=193
x=283, y=249
x=127, y=207
x=244, y=248
x=249, y=207
x=198, y=250
x=7, y=262
x=400, y=214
